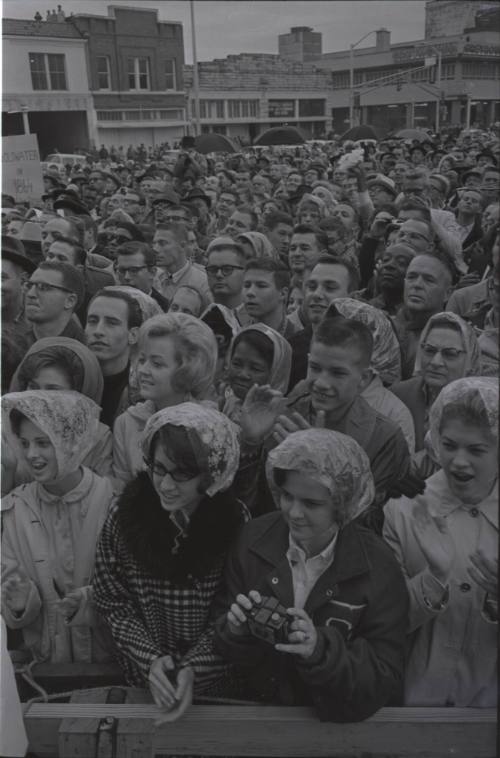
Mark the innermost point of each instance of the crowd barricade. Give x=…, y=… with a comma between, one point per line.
x=120, y=722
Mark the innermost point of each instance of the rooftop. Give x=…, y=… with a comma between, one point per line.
x=29, y=28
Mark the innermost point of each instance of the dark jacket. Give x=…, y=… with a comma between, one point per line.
x=160, y=299
x=155, y=589
x=412, y=393
x=359, y=607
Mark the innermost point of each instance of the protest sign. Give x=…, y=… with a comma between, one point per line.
x=21, y=168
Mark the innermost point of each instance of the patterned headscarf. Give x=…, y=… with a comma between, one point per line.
x=69, y=419
x=386, y=358
x=93, y=381
x=461, y=392
x=213, y=437
x=261, y=246
x=334, y=460
x=469, y=339
x=279, y=375
x=148, y=305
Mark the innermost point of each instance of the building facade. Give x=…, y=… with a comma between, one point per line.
x=243, y=95
x=45, y=83
x=135, y=67
x=451, y=76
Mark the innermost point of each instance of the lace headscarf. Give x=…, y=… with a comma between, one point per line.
x=386, y=358
x=148, y=305
x=93, y=381
x=469, y=340
x=261, y=246
x=334, y=460
x=213, y=437
x=69, y=419
x=461, y=392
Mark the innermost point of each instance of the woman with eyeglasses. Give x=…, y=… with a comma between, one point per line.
x=161, y=554
x=175, y=362
x=448, y=350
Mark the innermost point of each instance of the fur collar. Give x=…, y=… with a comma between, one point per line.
x=150, y=535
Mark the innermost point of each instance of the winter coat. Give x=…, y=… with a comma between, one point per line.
x=27, y=548
x=358, y=605
x=452, y=655
x=154, y=589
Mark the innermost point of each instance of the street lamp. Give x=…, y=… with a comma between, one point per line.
x=351, y=74
x=439, y=56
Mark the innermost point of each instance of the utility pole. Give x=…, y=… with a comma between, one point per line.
x=196, y=85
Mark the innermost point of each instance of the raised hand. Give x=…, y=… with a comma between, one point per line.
x=484, y=571
x=16, y=592
x=259, y=412
x=434, y=540
x=286, y=425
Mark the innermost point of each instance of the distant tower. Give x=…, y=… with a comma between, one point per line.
x=302, y=44
x=445, y=18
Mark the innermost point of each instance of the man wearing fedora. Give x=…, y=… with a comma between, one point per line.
x=16, y=268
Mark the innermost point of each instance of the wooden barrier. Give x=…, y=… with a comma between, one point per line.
x=71, y=729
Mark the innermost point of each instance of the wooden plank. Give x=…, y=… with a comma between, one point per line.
x=77, y=734
x=291, y=732
x=135, y=735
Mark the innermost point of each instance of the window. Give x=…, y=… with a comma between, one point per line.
x=209, y=108
x=170, y=78
x=340, y=80
x=103, y=72
x=243, y=108
x=480, y=70
x=138, y=73
x=109, y=115
x=48, y=71
x=308, y=108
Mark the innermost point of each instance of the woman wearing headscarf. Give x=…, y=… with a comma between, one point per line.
x=51, y=525
x=446, y=541
x=447, y=350
x=344, y=595
x=256, y=245
x=258, y=355
x=60, y=363
x=385, y=363
x=162, y=549
x=176, y=360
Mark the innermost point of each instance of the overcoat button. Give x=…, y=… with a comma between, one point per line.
x=274, y=580
x=465, y=587
x=474, y=512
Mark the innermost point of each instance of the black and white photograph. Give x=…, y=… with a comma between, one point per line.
x=250, y=309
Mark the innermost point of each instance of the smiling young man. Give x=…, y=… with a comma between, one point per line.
x=306, y=246
x=330, y=278
x=266, y=284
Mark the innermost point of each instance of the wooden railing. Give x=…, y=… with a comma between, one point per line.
x=74, y=729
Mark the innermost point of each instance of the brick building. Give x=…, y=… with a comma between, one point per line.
x=136, y=75
x=302, y=44
x=243, y=95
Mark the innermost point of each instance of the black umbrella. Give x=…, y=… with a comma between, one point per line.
x=214, y=143
x=357, y=133
x=413, y=134
x=280, y=135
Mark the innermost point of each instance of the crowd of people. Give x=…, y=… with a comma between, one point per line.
x=250, y=422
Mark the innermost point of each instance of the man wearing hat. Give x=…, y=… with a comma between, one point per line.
x=382, y=191
x=16, y=268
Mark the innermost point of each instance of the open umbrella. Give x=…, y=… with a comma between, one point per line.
x=213, y=143
x=357, y=133
x=419, y=134
x=281, y=135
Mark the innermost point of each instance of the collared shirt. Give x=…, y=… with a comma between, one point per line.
x=191, y=275
x=306, y=571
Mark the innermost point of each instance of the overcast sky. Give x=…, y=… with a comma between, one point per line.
x=226, y=27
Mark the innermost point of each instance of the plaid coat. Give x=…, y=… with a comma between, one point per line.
x=158, y=601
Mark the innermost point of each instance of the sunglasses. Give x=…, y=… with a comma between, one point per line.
x=225, y=270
